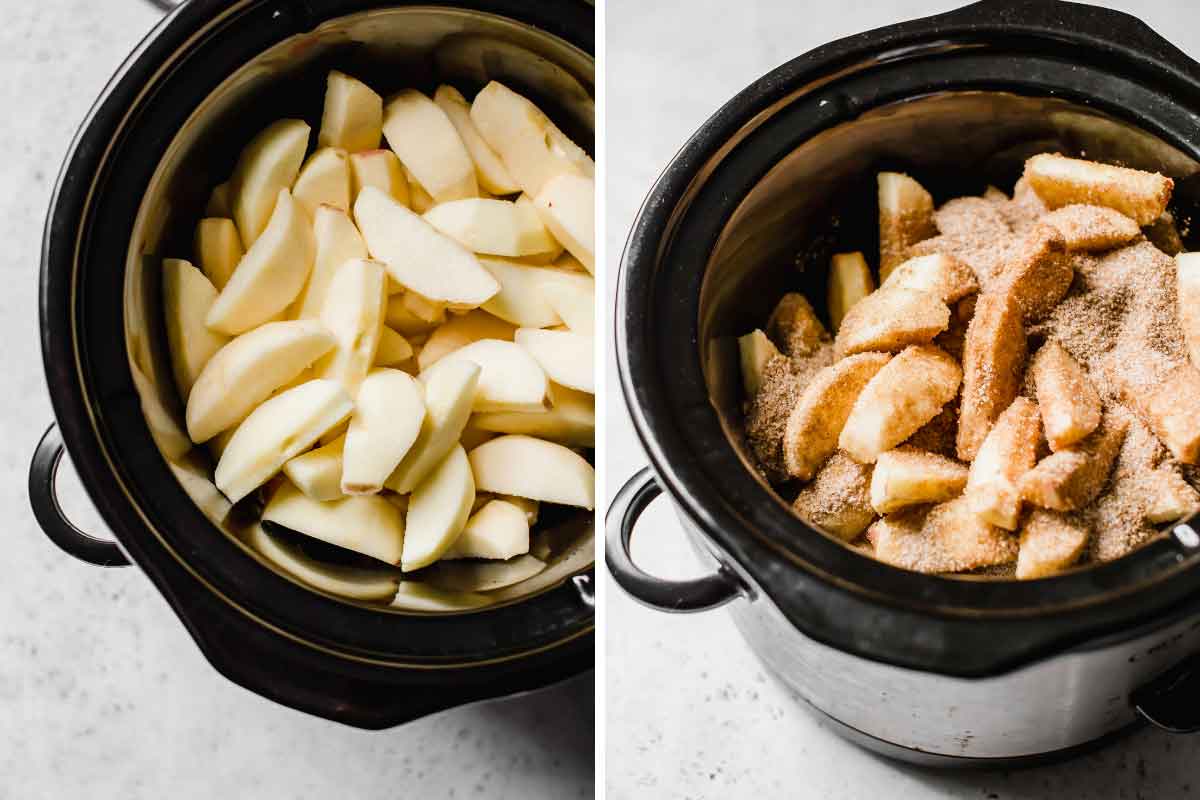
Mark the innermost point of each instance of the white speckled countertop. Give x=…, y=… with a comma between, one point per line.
x=690, y=712
x=102, y=692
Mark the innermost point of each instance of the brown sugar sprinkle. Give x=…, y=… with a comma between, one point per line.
x=838, y=498
x=783, y=380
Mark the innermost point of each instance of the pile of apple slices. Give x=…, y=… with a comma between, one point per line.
x=396, y=344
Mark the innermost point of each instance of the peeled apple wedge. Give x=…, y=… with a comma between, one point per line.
x=548, y=248
x=353, y=313
x=437, y=510
x=570, y=421
x=521, y=300
x=324, y=180
x=532, y=147
x=567, y=206
x=489, y=169
x=353, y=115
x=381, y=169
x=460, y=331
x=368, y=525
x=754, y=351
x=187, y=296
x=246, y=371
x=483, y=576
x=420, y=596
x=266, y=166
x=510, y=378
x=388, y=411
x=849, y=281
x=499, y=530
x=534, y=468
x=270, y=275
x=419, y=200
x=337, y=241
x=573, y=299
x=421, y=134
x=277, y=431
x=400, y=317
x=393, y=348
x=419, y=257
x=494, y=227
x=352, y=582
x=218, y=249
x=566, y=357
x=219, y=202
x=318, y=473
x=449, y=394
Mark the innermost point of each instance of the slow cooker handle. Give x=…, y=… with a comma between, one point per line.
x=697, y=594
x=1172, y=700
x=49, y=514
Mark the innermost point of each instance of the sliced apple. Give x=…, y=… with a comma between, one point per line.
x=460, y=331
x=219, y=202
x=494, y=227
x=318, y=473
x=520, y=299
x=418, y=256
x=266, y=166
x=353, y=313
x=567, y=206
x=245, y=372
x=449, y=394
x=419, y=200
x=571, y=420
x=534, y=468
x=218, y=249
x=420, y=596
x=428, y=144
x=572, y=297
x=381, y=169
x=438, y=509
x=489, y=169
x=337, y=241
x=483, y=576
x=187, y=296
x=270, y=275
x=388, y=411
x=393, y=349
x=352, y=118
x=532, y=147
x=352, y=582
x=510, y=380
x=567, y=358
x=277, y=431
x=324, y=180
x=368, y=525
x=498, y=530
x=401, y=316
x=548, y=249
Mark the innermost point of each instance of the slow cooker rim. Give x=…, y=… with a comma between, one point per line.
x=650, y=241
x=62, y=360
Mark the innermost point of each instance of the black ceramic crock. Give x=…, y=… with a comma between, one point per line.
x=928, y=668
x=165, y=130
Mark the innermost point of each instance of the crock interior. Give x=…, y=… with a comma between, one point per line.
x=390, y=49
x=821, y=198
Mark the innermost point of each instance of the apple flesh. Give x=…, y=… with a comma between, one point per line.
x=270, y=275
x=353, y=313
x=187, y=296
x=571, y=420
x=495, y=227
x=352, y=118
x=437, y=510
x=276, y=432
x=401, y=317
x=483, y=576
x=498, y=530
x=220, y=202
x=417, y=256
x=247, y=370
x=424, y=138
x=324, y=180
x=318, y=473
x=460, y=331
x=520, y=299
x=368, y=525
x=566, y=357
x=567, y=206
x=393, y=349
x=572, y=297
x=449, y=393
x=420, y=596
x=337, y=241
x=490, y=172
x=534, y=468
x=266, y=166
x=351, y=582
x=381, y=169
x=388, y=411
x=218, y=249
x=510, y=379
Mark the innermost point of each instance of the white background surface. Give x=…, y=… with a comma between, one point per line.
x=690, y=712
x=102, y=693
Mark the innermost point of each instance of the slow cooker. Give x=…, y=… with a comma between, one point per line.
x=166, y=129
x=931, y=669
